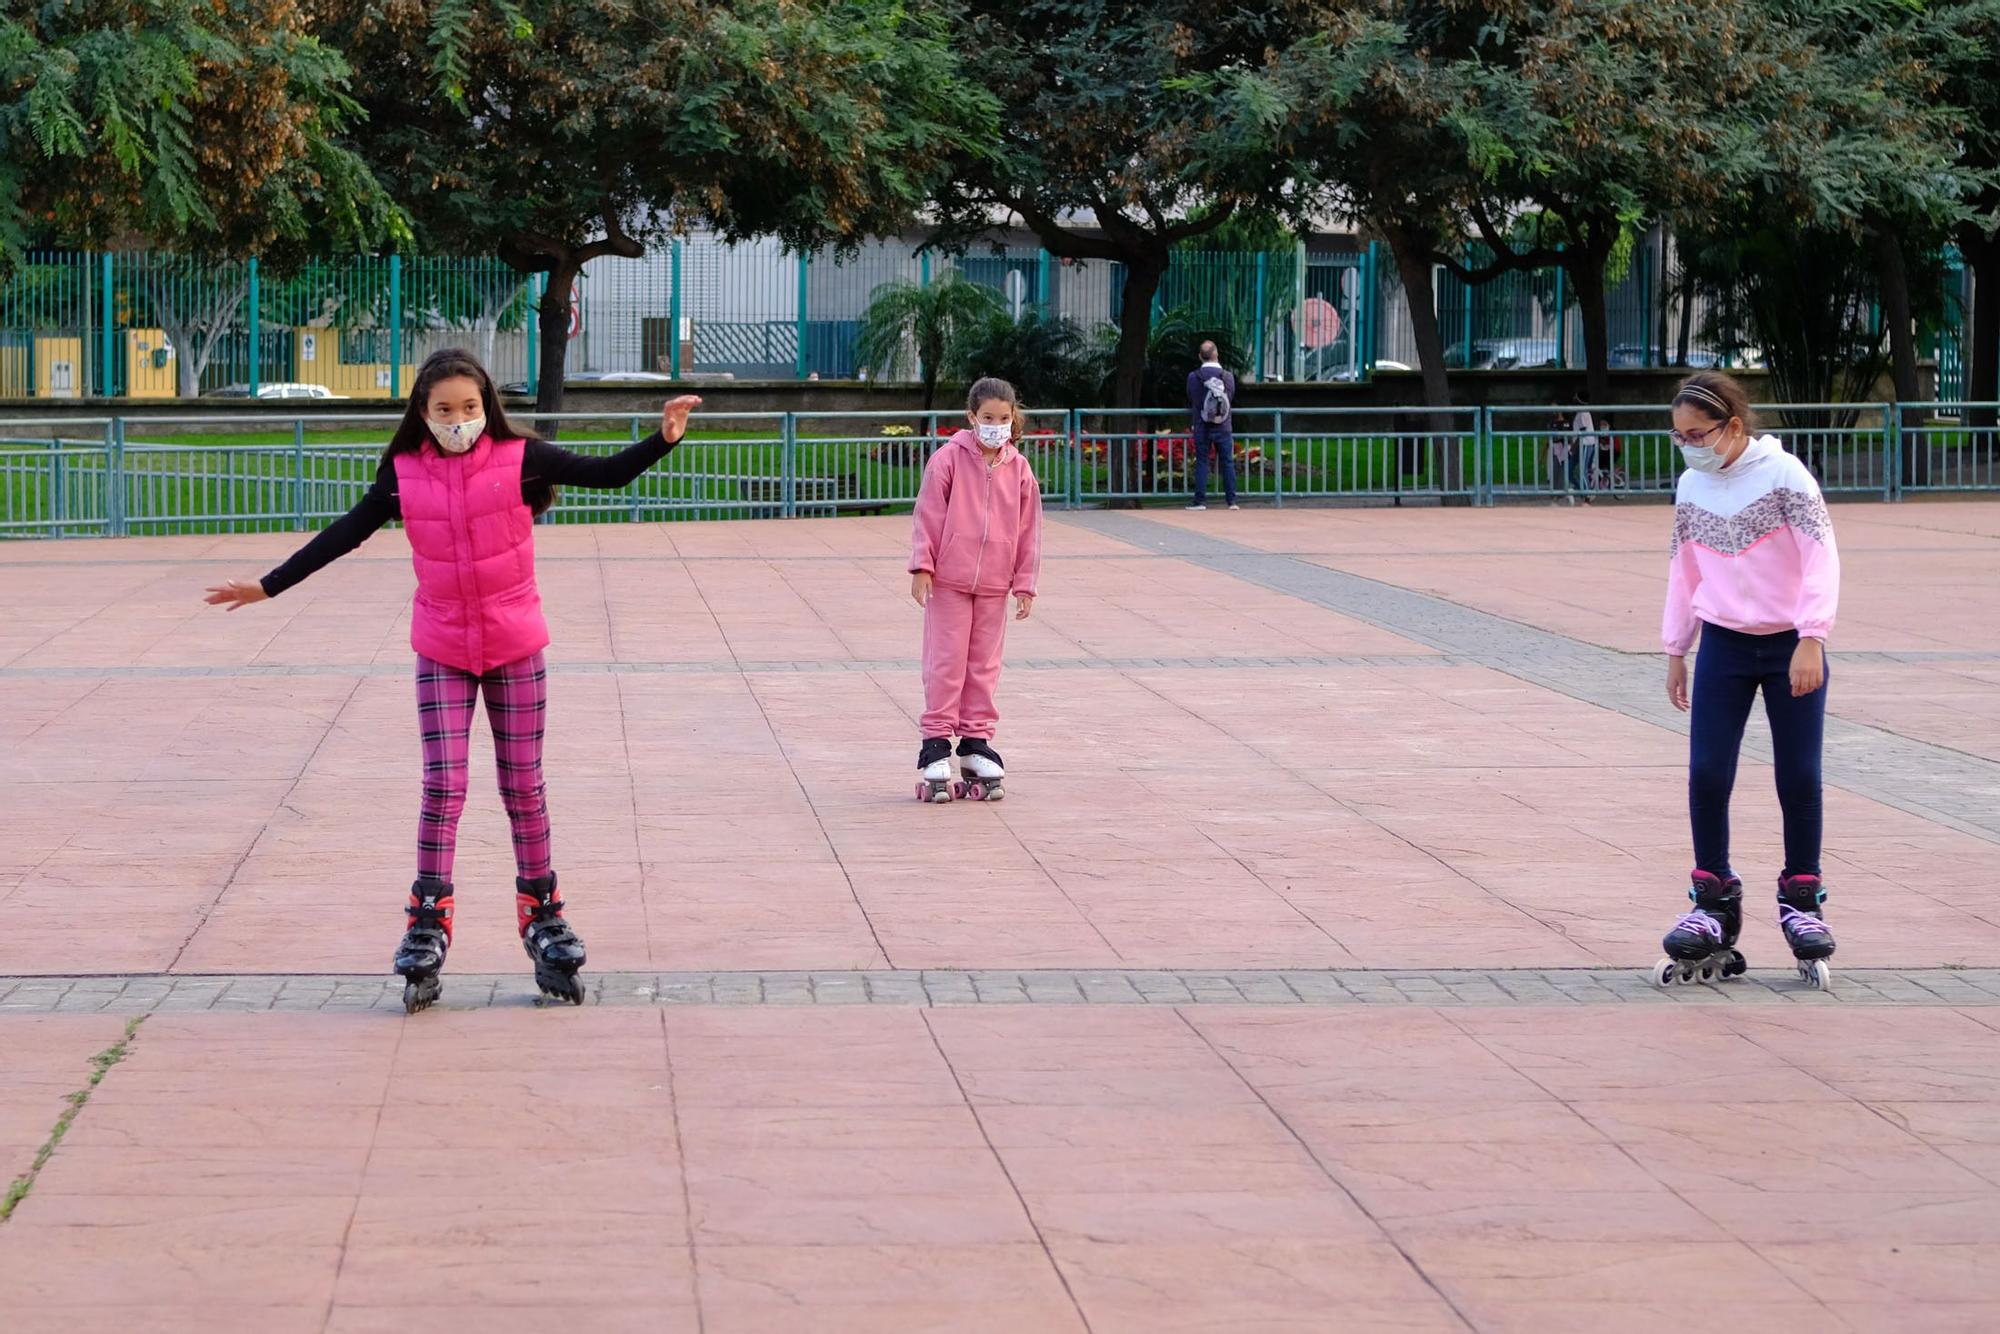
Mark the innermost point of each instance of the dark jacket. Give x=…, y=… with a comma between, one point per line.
x=1197, y=386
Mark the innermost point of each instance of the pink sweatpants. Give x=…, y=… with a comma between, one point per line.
x=963, y=637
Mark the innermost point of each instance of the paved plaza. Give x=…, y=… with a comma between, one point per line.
x=1296, y=985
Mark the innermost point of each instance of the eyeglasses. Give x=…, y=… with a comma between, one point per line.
x=1698, y=439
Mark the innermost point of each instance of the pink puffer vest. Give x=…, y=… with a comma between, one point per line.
x=472, y=540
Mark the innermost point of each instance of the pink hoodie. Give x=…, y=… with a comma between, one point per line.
x=1752, y=551
x=978, y=529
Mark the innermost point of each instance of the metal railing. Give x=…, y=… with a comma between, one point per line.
x=119, y=476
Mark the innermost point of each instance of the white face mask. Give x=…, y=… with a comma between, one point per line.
x=993, y=436
x=458, y=437
x=1701, y=458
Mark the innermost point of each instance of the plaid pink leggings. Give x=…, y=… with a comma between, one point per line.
x=517, y=702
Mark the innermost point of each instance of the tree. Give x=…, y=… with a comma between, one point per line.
x=554, y=132
x=1100, y=149
x=920, y=328
x=215, y=130
x=1971, y=83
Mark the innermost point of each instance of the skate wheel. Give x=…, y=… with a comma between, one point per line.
x=995, y=793
x=1663, y=972
x=569, y=989
x=421, y=995
x=923, y=790
x=1706, y=972
x=964, y=791
x=1816, y=973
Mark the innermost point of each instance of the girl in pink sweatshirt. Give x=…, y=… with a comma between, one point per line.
x=977, y=537
x=467, y=485
x=1755, y=575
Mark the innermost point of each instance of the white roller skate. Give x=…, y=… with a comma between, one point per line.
x=981, y=771
x=934, y=782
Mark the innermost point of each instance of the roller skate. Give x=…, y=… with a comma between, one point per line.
x=1702, y=945
x=934, y=770
x=981, y=770
x=1804, y=924
x=548, y=939
x=421, y=955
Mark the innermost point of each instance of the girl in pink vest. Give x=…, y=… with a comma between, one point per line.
x=978, y=537
x=467, y=486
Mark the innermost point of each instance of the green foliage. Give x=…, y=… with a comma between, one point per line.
x=911, y=328
x=1051, y=360
x=1173, y=349
x=220, y=129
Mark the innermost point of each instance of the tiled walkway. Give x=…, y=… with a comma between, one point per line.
x=1295, y=987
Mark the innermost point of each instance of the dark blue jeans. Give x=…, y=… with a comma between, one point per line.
x=1728, y=671
x=1216, y=435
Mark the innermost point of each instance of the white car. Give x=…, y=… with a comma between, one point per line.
x=275, y=391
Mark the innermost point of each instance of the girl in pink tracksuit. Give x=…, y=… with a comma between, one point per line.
x=977, y=537
x=467, y=486
x=1755, y=576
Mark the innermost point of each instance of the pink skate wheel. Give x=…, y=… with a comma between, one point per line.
x=923, y=790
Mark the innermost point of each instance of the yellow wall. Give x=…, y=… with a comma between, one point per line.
x=30, y=372
x=355, y=379
x=142, y=378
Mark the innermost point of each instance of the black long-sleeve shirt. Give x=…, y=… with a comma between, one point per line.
x=541, y=462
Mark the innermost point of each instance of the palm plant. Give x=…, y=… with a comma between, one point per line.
x=917, y=327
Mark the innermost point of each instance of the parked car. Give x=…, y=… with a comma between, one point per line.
x=1630, y=356
x=1349, y=374
x=1504, y=354
x=274, y=391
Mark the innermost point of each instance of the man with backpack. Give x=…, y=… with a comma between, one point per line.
x=1211, y=399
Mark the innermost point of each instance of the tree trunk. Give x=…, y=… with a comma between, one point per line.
x=553, y=324
x=1659, y=339
x=1982, y=358
x=1893, y=280
x=1143, y=271
x=1413, y=266
x=1586, y=269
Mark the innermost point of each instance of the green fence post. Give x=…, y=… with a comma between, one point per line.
x=1482, y=456
x=674, y=314
x=1892, y=472
x=256, y=347
x=1075, y=427
x=57, y=489
x=1364, y=312
x=114, y=479
x=923, y=268
x=536, y=286
x=1295, y=355
x=1042, y=281
x=395, y=326
x=1263, y=266
x=1467, y=323
x=107, y=373
x=788, y=463
x=1278, y=457
x=298, y=474
x=1562, y=317
x=805, y=297
x=1646, y=303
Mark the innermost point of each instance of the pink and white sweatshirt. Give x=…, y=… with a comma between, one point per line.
x=1752, y=550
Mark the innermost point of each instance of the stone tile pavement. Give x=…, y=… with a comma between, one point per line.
x=1296, y=986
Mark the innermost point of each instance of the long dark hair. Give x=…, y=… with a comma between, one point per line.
x=414, y=432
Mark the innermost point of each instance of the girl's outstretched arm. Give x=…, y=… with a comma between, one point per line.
x=375, y=508
x=559, y=467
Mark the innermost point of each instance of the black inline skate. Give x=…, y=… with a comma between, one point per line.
x=1702, y=945
x=548, y=939
x=421, y=955
x=934, y=770
x=1803, y=921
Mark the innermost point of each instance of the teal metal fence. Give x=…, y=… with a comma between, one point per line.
x=156, y=326
x=218, y=473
